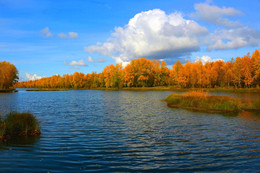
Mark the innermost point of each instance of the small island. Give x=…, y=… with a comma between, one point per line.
x=203, y=102
x=16, y=124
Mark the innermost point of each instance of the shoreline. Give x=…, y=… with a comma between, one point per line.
x=8, y=90
x=48, y=89
x=236, y=90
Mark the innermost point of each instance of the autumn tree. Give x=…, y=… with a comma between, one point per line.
x=141, y=72
x=255, y=59
x=175, y=73
x=247, y=70
x=237, y=78
x=8, y=75
x=228, y=73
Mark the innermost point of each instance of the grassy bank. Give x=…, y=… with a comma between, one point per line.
x=201, y=101
x=49, y=89
x=17, y=124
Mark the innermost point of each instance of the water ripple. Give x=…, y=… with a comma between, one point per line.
x=127, y=131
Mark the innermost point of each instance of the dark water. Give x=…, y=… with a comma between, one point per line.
x=125, y=131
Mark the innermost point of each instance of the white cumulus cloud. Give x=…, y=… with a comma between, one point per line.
x=32, y=77
x=152, y=34
x=157, y=35
x=46, y=32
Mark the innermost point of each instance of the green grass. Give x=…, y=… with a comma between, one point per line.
x=200, y=101
x=17, y=124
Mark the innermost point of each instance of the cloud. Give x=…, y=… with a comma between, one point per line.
x=99, y=60
x=152, y=34
x=156, y=35
x=216, y=15
x=70, y=35
x=205, y=59
x=62, y=35
x=90, y=59
x=78, y=63
x=73, y=35
x=75, y=67
x=32, y=77
x=233, y=35
x=46, y=32
x=235, y=38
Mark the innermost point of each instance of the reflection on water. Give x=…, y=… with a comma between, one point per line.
x=250, y=116
x=125, y=131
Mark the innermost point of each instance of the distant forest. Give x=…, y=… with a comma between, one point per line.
x=239, y=72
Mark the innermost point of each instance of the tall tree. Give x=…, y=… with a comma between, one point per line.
x=256, y=66
x=8, y=75
x=237, y=72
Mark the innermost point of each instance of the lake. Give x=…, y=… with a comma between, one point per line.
x=128, y=131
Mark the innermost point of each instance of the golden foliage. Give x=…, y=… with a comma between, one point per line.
x=8, y=75
x=141, y=72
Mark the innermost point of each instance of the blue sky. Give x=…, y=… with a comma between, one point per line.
x=44, y=37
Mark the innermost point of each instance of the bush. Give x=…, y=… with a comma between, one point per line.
x=19, y=124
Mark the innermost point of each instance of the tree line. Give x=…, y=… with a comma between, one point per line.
x=239, y=72
x=8, y=75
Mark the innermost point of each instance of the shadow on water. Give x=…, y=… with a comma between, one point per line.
x=245, y=115
x=24, y=143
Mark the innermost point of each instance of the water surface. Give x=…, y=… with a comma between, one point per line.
x=125, y=131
